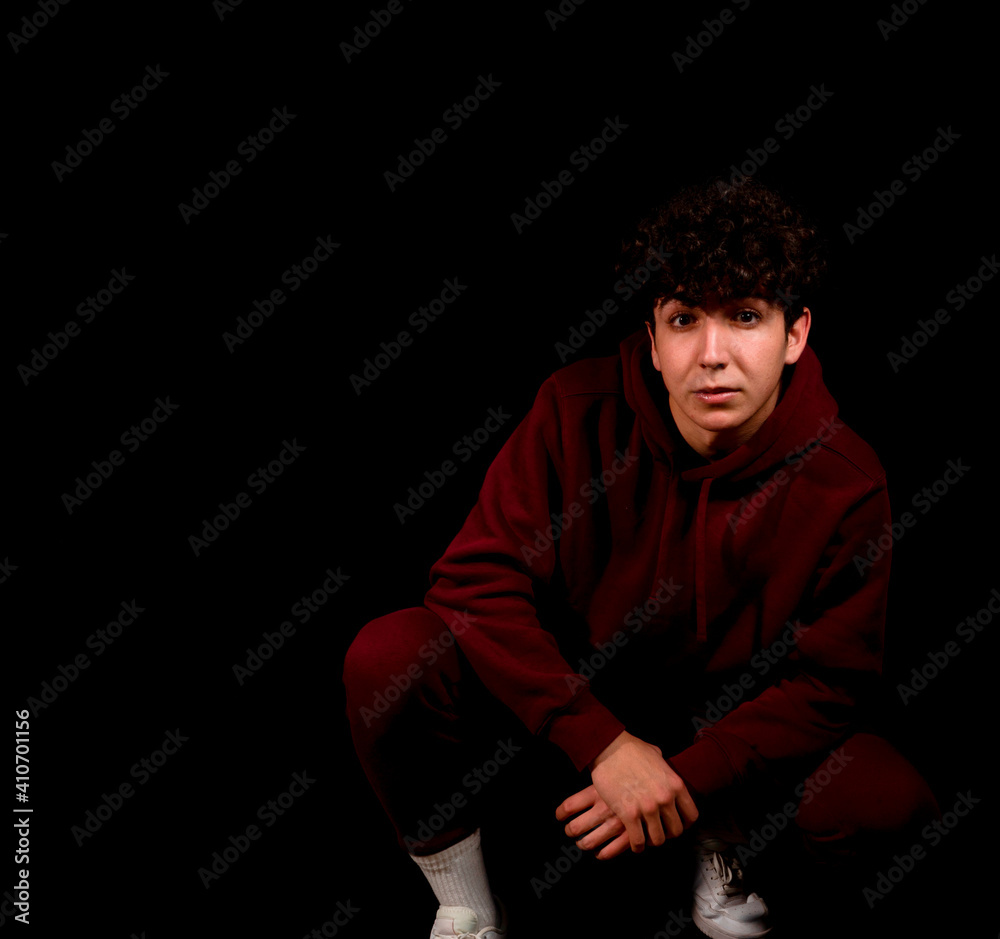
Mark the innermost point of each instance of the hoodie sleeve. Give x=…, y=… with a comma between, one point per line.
x=834, y=665
x=488, y=573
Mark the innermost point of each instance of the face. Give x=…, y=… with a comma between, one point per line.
x=722, y=364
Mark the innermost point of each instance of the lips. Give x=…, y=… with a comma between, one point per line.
x=718, y=394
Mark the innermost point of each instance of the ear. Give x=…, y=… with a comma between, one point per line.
x=652, y=341
x=797, y=337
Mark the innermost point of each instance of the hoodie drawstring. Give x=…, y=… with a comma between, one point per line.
x=668, y=535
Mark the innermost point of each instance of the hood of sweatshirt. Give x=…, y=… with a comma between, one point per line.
x=791, y=427
x=795, y=421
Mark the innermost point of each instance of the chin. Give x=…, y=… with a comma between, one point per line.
x=721, y=422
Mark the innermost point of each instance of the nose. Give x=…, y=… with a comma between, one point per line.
x=713, y=353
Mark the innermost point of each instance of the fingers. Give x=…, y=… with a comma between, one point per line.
x=653, y=824
x=688, y=810
x=636, y=836
x=649, y=807
x=600, y=826
x=679, y=813
x=595, y=812
x=618, y=846
x=672, y=823
x=577, y=802
x=609, y=829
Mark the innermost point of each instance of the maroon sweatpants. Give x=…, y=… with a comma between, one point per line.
x=429, y=734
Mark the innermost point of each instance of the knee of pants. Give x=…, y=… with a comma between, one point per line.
x=394, y=651
x=864, y=798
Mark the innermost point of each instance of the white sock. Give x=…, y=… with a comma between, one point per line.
x=457, y=876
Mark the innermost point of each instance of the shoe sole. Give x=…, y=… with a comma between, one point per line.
x=710, y=929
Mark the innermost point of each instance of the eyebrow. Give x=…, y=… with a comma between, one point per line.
x=688, y=300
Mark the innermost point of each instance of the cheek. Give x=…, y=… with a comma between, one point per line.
x=762, y=365
x=673, y=369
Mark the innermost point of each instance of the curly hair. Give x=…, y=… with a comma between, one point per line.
x=726, y=239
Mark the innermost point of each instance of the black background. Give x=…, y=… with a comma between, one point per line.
x=333, y=507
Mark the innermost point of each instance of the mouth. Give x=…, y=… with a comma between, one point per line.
x=716, y=395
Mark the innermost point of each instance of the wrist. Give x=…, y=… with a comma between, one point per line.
x=609, y=750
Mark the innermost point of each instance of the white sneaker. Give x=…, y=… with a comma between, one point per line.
x=722, y=909
x=459, y=922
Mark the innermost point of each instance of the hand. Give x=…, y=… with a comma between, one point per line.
x=632, y=785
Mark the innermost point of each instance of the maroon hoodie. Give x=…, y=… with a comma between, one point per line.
x=759, y=559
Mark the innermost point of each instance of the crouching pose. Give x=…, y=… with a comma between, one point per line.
x=696, y=506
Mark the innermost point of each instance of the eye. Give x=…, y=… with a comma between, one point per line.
x=680, y=320
x=748, y=317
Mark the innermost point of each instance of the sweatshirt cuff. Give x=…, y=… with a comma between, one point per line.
x=582, y=729
x=707, y=766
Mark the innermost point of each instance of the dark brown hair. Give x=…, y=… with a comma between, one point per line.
x=727, y=239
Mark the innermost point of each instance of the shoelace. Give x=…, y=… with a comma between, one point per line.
x=479, y=935
x=727, y=870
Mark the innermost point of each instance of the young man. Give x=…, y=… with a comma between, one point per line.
x=698, y=509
